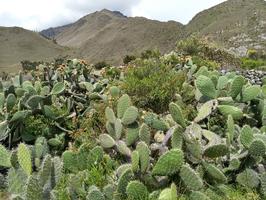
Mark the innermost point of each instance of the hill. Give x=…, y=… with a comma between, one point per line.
x=108, y=35
x=235, y=24
x=18, y=44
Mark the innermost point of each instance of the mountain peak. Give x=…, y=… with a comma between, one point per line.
x=114, y=13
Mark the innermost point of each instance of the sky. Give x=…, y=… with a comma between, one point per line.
x=41, y=14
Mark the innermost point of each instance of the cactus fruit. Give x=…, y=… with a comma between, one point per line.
x=24, y=158
x=190, y=178
x=110, y=115
x=257, y=148
x=124, y=102
x=206, y=109
x=236, y=86
x=251, y=92
x=130, y=115
x=197, y=195
x=137, y=191
x=246, y=136
x=177, y=114
x=144, y=156
x=215, y=151
x=248, y=178
x=58, y=88
x=106, y=141
x=144, y=133
x=215, y=174
x=206, y=86
x=169, y=163
x=4, y=157
x=235, y=112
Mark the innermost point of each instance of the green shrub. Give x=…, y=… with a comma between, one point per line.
x=150, y=54
x=248, y=63
x=152, y=84
x=101, y=65
x=205, y=62
x=128, y=58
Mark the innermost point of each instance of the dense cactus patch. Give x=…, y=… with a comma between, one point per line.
x=73, y=133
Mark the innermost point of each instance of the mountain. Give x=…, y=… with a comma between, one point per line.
x=108, y=35
x=236, y=25
x=18, y=44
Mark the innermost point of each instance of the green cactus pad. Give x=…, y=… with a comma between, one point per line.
x=169, y=163
x=251, y=92
x=236, y=86
x=246, y=136
x=4, y=157
x=257, y=148
x=24, y=158
x=235, y=112
x=16, y=181
x=144, y=156
x=130, y=115
x=45, y=171
x=70, y=161
x=137, y=191
x=190, y=178
x=135, y=161
x=248, y=178
x=169, y=193
x=106, y=141
x=110, y=115
x=144, y=133
x=230, y=129
x=206, y=86
x=177, y=138
x=118, y=128
x=177, y=114
x=122, y=148
x=153, y=121
x=216, y=174
x=263, y=183
x=114, y=91
x=58, y=88
x=123, y=181
x=215, y=151
x=132, y=134
x=197, y=195
x=94, y=194
x=33, y=189
x=124, y=102
x=10, y=102
x=206, y=109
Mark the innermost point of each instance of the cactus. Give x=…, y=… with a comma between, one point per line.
x=154, y=122
x=135, y=161
x=33, y=189
x=169, y=193
x=177, y=138
x=177, y=115
x=235, y=112
x=216, y=174
x=215, y=151
x=132, y=134
x=108, y=191
x=257, y=148
x=137, y=191
x=206, y=109
x=144, y=133
x=251, y=92
x=230, y=129
x=58, y=88
x=16, y=181
x=106, y=141
x=110, y=116
x=70, y=161
x=124, y=102
x=45, y=171
x=263, y=183
x=206, y=86
x=10, y=102
x=4, y=157
x=130, y=115
x=190, y=178
x=114, y=91
x=246, y=136
x=236, y=86
x=144, y=156
x=169, y=163
x=197, y=195
x=248, y=178
x=122, y=148
x=24, y=158
x=123, y=181
x=94, y=194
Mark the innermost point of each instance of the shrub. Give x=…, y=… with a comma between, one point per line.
x=101, y=65
x=152, y=84
x=199, y=61
x=128, y=58
x=248, y=63
x=150, y=54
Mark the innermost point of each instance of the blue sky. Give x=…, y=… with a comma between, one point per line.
x=41, y=14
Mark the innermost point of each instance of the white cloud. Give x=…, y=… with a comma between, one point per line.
x=40, y=14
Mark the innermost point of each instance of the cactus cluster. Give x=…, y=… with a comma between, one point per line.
x=137, y=154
